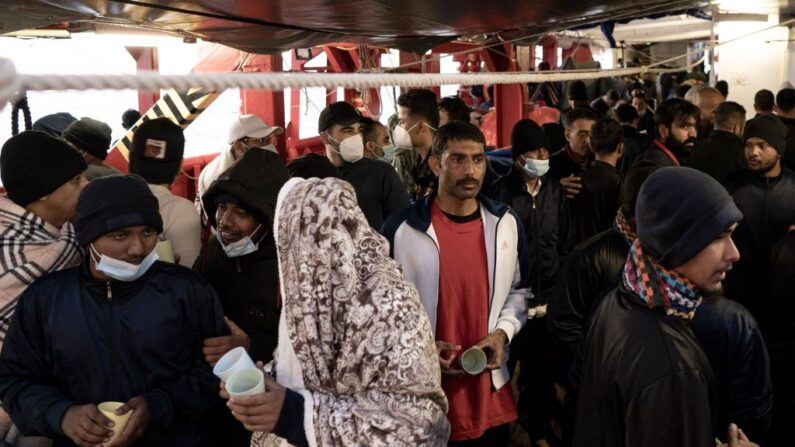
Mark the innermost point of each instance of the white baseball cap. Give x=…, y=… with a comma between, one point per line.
x=250, y=126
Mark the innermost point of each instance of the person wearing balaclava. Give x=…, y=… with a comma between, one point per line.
x=540, y=202
x=120, y=326
x=245, y=132
x=764, y=193
x=91, y=139
x=379, y=190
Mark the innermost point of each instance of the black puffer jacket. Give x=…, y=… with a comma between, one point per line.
x=546, y=222
x=75, y=340
x=768, y=208
x=654, y=388
x=248, y=286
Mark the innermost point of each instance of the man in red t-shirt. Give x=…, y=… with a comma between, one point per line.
x=467, y=256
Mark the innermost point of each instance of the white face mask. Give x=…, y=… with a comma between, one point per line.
x=121, y=270
x=535, y=168
x=351, y=149
x=401, y=137
x=240, y=248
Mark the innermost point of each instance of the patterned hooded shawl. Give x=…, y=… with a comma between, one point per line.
x=353, y=329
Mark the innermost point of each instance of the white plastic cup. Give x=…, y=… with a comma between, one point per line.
x=119, y=421
x=233, y=361
x=473, y=360
x=246, y=382
x=165, y=251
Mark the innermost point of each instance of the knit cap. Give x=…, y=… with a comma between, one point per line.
x=526, y=136
x=112, y=203
x=33, y=164
x=679, y=211
x=89, y=135
x=769, y=128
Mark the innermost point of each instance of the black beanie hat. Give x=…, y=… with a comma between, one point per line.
x=679, y=212
x=54, y=124
x=89, y=135
x=526, y=135
x=157, y=149
x=769, y=128
x=112, y=203
x=34, y=164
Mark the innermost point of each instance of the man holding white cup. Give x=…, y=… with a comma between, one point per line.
x=120, y=327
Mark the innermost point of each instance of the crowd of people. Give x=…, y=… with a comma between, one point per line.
x=625, y=272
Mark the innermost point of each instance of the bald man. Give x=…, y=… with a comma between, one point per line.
x=707, y=99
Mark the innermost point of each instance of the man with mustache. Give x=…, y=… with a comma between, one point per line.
x=677, y=122
x=764, y=193
x=468, y=257
x=679, y=256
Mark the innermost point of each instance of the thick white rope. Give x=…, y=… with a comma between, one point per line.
x=13, y=84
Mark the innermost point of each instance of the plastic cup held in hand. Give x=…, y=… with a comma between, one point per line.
x=119, y=421
x=246, y=382
x=233, y=361
x=473, y=360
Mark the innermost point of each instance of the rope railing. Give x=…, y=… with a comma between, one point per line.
x=14, y=85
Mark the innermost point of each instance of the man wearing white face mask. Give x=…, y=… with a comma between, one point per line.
x=245, y=132
x=240, y=261
x=379, y=191
x=119, y=327
x=540, y=202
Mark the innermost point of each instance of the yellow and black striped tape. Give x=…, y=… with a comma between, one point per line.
x=182, y=108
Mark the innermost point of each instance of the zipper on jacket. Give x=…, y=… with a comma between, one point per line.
x=110, y=292
x=494, y=270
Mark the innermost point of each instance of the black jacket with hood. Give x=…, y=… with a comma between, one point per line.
x=248, y=285
x=75, y=340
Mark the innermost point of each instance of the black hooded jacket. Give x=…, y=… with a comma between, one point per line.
x=75, y=340
x=248, y=285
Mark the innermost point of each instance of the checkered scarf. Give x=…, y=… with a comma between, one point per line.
x=29, y=248
x=659, y=287
x=623, y=225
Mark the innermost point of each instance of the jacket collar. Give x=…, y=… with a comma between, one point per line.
x=120, y=290
x=420, y=216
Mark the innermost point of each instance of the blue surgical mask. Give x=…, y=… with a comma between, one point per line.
x=121, y=270
x=535, y=168
x=240, y=248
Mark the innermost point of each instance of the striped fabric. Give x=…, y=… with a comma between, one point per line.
x=29, y=248
x=659, y=287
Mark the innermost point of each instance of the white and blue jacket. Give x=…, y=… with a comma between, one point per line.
x=414, y=245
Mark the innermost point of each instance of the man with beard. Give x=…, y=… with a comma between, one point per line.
x=468, y=257
x=764, y=193
x=677, y=122
x=681, y=254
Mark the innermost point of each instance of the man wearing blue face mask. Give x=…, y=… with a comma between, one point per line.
x=540, y=202
x=379, y=190
x=120, y=327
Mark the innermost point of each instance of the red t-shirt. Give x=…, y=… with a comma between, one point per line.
x=462, y=319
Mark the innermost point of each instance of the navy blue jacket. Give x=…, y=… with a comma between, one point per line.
x=75, y=340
